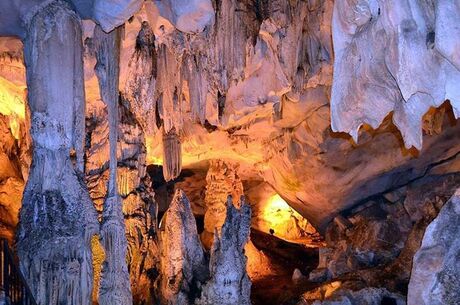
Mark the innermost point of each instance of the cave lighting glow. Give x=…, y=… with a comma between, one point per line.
x=281, y=220
x=12, y=105
x=277, y=211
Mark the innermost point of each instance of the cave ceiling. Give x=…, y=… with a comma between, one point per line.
x=275, y=86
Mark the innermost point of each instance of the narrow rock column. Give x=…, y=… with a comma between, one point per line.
x=115, y=288
x=229, y=283
x=221, y=180
x=172, y=155
x=182, y=263
x=57, y=219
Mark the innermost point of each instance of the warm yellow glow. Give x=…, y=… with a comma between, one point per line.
x=14, y=127
x=208, y=146
x=277, y=211
x=151, y=147
x=11, y=99
x=12, y=104
x=98, y=260
x=278, y=218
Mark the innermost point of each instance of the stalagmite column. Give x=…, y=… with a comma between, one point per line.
x=229, y=283
x=57, y=218
x=115, y=288
x=222, y=180
x=182, y=263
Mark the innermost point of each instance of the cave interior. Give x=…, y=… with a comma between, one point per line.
x=229, y=152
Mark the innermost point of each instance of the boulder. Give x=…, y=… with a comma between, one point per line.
x=435, y=277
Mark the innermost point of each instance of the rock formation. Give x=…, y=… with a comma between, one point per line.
x=386, y=43
x=182, y=262
x=134, y=186
x=267, y=85
x=276, y=137
x=374, y=244
x=221, y=180
x=229, y=282
x=57, y=218
x=14, y=165
x=115, y=286
x=172, y=155
x=435, y=272
x=330, y=294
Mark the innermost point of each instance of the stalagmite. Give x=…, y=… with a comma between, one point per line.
x=172, y=155
x=221, y=180
x=57, y=219
x=229, y=283
x=115, y=288
x=183, y=265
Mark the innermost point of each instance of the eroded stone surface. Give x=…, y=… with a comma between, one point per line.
x=375, y=243
x=229, y=282
x=182, y=262
x=385, y=42
x=435, y=272
x=57, y=215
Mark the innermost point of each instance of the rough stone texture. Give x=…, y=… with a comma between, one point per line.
x=108, y=13
x=187, y=16
x=210, y=93
x=286, y=132
x=139, y=208
x=253, y=87
x=386, y=41
x=435, y=272
x=222, y=180
x=113, y=13
x=182, y=262
x=57, y=218
x=114, y=283
x=229, y=282
x=172, y=155
x=134, y=186
x=333, y=294
x=376, y=242
x=14, y=163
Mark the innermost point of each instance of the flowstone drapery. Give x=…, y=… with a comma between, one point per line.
x=57, y=216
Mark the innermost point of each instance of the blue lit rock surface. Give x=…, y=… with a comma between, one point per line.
x=435, y=272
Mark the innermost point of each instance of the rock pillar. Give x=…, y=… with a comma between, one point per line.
x=115, y=288
x=57, y=218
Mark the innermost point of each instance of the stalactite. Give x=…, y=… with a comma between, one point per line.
x=172, y=155
x=182, y=264
x=229, y=283
x=141, y=80
x=115, y=288
x=57, y=218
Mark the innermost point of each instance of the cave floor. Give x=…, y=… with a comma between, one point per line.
x=279, y=288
